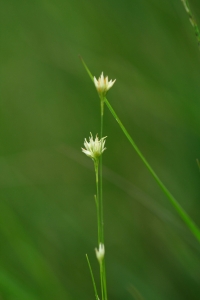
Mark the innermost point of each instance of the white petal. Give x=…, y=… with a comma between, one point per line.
x=95, y=82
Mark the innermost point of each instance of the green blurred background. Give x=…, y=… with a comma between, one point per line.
x=49, y=105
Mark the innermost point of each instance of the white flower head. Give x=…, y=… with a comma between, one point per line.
x=102, y=84
x=94, y=148
x=100, y=252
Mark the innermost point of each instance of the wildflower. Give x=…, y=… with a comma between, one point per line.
x=94, y=148
x=102, y=84
x=100, y=253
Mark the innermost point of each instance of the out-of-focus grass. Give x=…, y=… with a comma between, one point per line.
x=48, y=106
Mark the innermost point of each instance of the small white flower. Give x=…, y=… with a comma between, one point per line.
x=100, y=253
x=102, y=84
x=94, y=148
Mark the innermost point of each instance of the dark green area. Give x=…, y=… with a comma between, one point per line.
x=49, y=105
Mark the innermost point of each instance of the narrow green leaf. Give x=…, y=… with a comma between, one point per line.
x=92, y=276
x=88, y=71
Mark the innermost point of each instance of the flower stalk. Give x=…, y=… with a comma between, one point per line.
x=94, y=149
x=102, y=85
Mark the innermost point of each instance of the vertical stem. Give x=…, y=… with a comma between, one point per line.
x=98, y=205
x=96, y=167
x=102, y=280
x=101, y=168
x=102, y=266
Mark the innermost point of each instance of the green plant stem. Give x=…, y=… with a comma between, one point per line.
x=99, y=221
x=103, y=265
x=100, y=173
x=192, y=20
x=188, y=221
x=96, y=167
x=102, y=280
x=92, y=276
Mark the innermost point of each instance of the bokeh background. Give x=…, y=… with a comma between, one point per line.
x=49, y=105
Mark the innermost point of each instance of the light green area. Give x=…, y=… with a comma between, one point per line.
x=47, y=186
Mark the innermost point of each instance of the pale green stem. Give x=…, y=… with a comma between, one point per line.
x=101, y=201
x=100, y=229
x=102, y=280
x=96, y=167
x=98, y=206
x=92, y=276
x=101, y=171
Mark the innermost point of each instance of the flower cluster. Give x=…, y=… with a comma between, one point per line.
x=94, y=148
x=103, y=85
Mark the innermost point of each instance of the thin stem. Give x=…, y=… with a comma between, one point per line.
x=101, y=171
x=96, y=167
x=102, y=266
x=192, y=20
x=185, y=217
x=98, y=200
x=102, y=280
x=92, y=276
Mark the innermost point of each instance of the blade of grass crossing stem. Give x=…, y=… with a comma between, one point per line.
x=92, y=276
x=184, y=216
